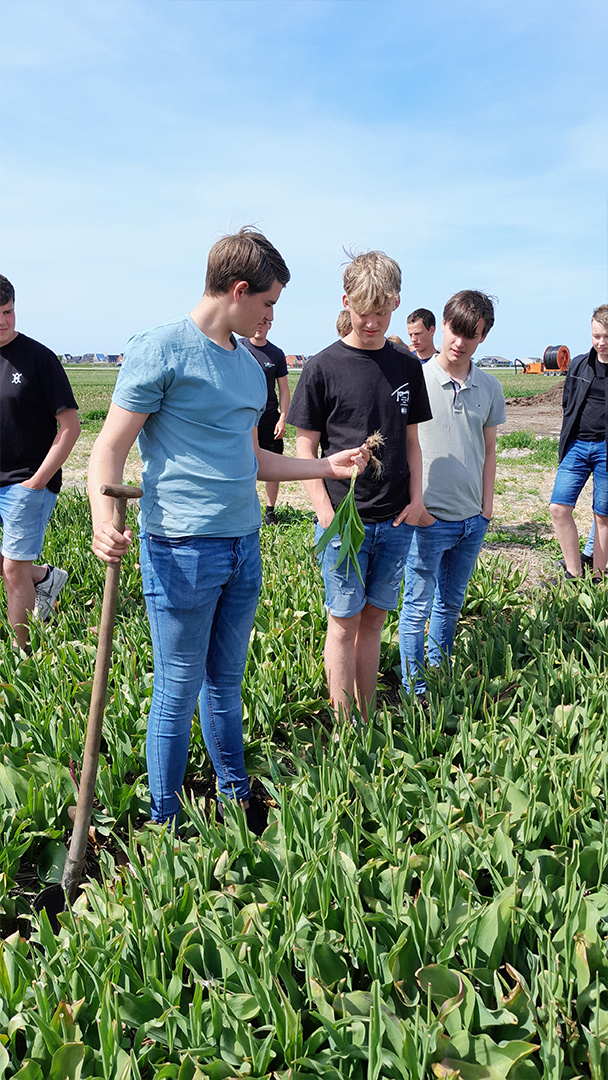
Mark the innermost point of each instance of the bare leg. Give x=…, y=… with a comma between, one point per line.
x=367, y=657
x=272, y=491
x=21, y=597
x=567, y=535
x=340, y=662
x=38, y=571
x=352, y=653
x=600, y=543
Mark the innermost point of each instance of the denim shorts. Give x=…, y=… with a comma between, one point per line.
x=24, y=513
x=382, y=560
x=581, y=460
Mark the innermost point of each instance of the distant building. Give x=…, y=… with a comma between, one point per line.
x=92, y=358
x=494, y=361
x=295, y=362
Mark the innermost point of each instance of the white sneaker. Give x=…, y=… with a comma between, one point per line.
x=47, y=592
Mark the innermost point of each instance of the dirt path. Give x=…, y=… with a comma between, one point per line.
x=541, y=414
x=521, y=505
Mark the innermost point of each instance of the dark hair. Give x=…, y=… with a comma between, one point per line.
x=423, y=313
x=464, y=310
x=7, y=293
x=246, y=256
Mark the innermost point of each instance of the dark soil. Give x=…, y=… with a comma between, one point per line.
x=541, y=414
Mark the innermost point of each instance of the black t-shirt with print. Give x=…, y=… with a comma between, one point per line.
x=347, y=394
x=33, y=389
x=592, y=420
x=274, y=365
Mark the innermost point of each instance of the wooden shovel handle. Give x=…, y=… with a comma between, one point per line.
x=78, y=845
x=121, y=491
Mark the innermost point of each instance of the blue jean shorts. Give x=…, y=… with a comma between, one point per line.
x=382, y=560
x=24, y=513
x=582, y=460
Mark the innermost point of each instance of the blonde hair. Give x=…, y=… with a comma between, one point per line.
x=601, y=314
x=372, y=282
x=343, y=323
x=396, y=339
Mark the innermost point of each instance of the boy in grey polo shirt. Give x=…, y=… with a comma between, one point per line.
x=459, y=468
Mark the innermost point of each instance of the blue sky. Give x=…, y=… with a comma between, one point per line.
x=468, y=140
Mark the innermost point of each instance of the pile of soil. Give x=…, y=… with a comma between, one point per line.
x=548, y=397
x=541, y=414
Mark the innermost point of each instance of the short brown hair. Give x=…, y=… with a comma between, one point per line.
x=343, y=323
x=601, y=314
x=425, y=314
x=372, y=282
x=245, y=256
x=396, y=339
x=464, y=310
x=7, y=293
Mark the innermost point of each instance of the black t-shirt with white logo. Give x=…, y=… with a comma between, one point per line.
x=33, y=389
x=348, y=394
x=274, y=365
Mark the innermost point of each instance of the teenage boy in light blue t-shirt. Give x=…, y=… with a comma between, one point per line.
x=192, y=397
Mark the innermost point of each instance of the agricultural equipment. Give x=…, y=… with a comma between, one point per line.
x=53, y=898
x=556, y=359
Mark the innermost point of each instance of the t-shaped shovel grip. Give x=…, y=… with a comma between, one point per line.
x=78, y=845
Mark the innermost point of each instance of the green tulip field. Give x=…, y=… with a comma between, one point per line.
x=430, y=898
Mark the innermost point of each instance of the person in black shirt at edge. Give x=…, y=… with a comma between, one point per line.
x=38, y=428
x=355, y=387
x=271, y=428
x=582, y=450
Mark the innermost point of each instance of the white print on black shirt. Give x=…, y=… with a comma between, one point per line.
x=402, y=393
x=17, y=376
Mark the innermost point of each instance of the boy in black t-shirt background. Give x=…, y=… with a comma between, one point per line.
x=271, y=428
x=582, y=450
x=355, y=387
x=38, y=428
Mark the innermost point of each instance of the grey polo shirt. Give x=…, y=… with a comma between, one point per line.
x=452, y=443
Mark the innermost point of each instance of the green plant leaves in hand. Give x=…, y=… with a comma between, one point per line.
x=346, y=523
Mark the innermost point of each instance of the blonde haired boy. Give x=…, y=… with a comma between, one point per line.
x=355, y=387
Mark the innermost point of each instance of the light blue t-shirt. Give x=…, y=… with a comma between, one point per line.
x=200, y=469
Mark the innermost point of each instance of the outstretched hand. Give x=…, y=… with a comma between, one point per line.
x=341, y=464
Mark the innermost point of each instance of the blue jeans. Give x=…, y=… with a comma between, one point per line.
x=201, y=594
x=441, y=560
x=588, y=548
